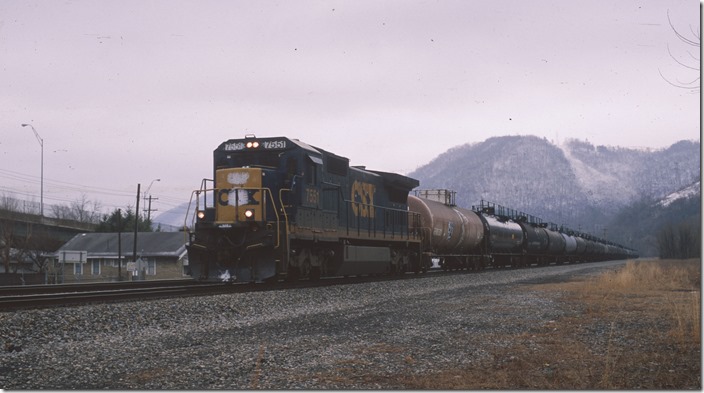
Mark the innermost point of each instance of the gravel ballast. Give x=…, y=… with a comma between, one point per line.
x=342, y=337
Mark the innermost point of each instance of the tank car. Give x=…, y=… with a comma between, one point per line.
x=449, y=233
x=570, y=247
x=278, y=208
x=556, y=244
x=503, y=238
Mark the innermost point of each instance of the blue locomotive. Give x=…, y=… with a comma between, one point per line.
x=278, y=208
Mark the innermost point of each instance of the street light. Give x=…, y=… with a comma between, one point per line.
x=146, y=193
x=41, y=143
x=149, y=188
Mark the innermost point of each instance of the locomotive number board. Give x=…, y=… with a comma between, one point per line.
x=254, y=145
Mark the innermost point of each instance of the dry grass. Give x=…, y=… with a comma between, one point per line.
x=635, y=328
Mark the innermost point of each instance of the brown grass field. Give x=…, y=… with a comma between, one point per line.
x=635, y=328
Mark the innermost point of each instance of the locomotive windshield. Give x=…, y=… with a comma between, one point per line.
x=266, y=159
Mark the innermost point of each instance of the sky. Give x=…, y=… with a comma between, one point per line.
x=123, y=92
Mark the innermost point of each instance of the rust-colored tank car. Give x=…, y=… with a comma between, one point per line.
x=446, y=229
x=449, y=233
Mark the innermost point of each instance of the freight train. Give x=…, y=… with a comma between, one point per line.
x=280, y=209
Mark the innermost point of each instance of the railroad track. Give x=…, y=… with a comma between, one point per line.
x=43, y=296
x=87, y=287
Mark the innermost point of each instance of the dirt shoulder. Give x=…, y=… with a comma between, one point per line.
x=634, y=328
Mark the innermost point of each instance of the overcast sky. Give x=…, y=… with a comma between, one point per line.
x=125, y=92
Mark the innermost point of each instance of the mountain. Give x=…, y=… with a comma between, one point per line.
x=576, y=184
x=641, y=223
x=171, y=220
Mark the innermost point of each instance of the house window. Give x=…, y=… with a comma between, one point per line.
x=77, y=269
x=151, y=267
x=95, y=267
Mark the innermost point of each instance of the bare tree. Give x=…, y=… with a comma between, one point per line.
x=681, y=240
x=7, y=241
x=9, y=203
x=689, y=61
x=81, y=210
x=12, y=204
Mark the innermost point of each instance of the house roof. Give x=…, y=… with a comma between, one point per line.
x=149, y=244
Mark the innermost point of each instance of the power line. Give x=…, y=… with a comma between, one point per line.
x=62, y=184
x=57, y=186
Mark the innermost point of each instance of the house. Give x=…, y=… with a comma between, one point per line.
x=94, y=256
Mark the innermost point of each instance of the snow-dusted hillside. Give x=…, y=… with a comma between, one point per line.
x=576, y=184
x=603, y=180
x=693, y=190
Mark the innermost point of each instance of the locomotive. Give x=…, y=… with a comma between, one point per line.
x=280, y=209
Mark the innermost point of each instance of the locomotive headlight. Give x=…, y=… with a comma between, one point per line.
x=249, y=214
x=252, y=145
x=200, y=214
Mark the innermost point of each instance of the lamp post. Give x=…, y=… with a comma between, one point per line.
x=147, y=195
x=149, y=188
x=41, y=143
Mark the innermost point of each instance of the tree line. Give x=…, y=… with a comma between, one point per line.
x=682, y=240
x=29, y=246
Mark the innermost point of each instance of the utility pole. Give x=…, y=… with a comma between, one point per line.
x=149, y=210
x=41, y=192
x=119, y=244
x=136, y=226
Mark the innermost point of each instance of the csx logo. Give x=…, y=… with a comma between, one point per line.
x=237, y=197
x=363, y=199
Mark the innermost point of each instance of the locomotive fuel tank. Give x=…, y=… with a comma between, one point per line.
x=446, y=229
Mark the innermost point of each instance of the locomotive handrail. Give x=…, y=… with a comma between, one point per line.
x=203, y=187
x=283, y=210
